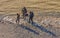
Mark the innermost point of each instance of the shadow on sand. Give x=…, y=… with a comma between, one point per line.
x=36, y=25
x=42, y=28
x=24, y=27
x=27, y=28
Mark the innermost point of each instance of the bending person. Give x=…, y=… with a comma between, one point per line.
x=24, y=12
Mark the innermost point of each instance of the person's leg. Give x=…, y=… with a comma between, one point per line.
x=32, y=20
x=29, y=20
x=23, y=15
x=18, y=21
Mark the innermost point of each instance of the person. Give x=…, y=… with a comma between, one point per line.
x=31, y=17
x=18, y=18
x=24, y=12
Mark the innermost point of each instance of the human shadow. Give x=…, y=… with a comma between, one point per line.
x=27, y=28
x=36, y=25
x=24, y=27
x=41, y=28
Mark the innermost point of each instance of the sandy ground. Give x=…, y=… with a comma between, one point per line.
x=12, y=30
x=14, y=6
x=47, y=12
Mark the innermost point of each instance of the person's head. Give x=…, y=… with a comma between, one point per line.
x=17, y=14
x=24, y=7
x=31, y=12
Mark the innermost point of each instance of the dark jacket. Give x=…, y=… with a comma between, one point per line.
x=31, y=14
x=24, y=10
